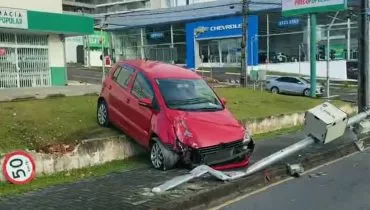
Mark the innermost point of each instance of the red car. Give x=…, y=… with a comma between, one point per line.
x=174, y=113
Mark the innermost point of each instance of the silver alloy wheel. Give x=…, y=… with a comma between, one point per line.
x=102, y=114
x=156, y=156
x=274, y=90
x=306, y=92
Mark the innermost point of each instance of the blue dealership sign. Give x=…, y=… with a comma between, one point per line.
x=156, y=35
x=288, y=22
x=219, y=29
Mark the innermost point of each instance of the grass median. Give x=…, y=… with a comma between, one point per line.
x=34, y=124
x=31, y=124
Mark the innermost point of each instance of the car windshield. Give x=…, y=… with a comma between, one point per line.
x=188, y=95
x=304, y=80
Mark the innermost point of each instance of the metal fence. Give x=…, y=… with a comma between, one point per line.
x=24, y=61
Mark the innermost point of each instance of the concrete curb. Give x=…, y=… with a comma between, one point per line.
x=272, y=123
x=90, y=152
x=230, y=190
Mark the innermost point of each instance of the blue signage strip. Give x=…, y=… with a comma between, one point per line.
x=219, y=29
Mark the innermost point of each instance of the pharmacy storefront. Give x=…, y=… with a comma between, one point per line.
x=217, y=43
x=32, y=46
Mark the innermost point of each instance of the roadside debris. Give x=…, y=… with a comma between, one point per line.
x=295, y=170
x=315, y=175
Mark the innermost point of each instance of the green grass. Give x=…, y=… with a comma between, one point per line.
x=283, y=131
x=71, y=176
x=36, y=123
x=250, y=104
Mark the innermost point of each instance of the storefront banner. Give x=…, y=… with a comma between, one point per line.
x=95, y=39
x=13, y=18
x=299, y=7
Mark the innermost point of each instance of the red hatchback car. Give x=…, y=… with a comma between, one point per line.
x=175, y=114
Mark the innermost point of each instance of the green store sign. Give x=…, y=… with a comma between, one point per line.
x=45, y=21
x=13, y=18
x=95, y=39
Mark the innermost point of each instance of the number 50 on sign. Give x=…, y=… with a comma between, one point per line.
x=19, y=167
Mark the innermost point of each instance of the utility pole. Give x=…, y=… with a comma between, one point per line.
x=244, y=48
x=328, y=56
x=363, y=62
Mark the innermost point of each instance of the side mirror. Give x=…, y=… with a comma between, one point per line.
x=223, y=101
x=146, y=102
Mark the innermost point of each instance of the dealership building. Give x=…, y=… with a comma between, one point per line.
x=208, y=35
x=32, y=39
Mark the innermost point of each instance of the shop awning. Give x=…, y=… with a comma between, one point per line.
x=187, y=13
x=60, y=23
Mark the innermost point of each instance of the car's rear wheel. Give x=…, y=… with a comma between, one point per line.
x=102, y=114
x=275, y=90
x=307, y=92
x=161, y=157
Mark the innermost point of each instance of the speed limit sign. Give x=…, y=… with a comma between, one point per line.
x=19, y=167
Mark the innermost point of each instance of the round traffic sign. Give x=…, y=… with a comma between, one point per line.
x=19, y=167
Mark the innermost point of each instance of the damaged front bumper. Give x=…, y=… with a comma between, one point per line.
x=224, y=156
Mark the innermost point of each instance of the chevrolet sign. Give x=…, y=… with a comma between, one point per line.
x=225, y=27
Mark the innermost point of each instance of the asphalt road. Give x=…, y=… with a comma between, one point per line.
x=343, y=185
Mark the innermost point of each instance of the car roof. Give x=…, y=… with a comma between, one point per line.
x=156, y=69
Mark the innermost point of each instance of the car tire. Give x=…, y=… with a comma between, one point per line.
x=275, y=90
x=306, y=92
x=102, y=116
x=161, y=157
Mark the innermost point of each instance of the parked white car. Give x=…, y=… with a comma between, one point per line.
x=292, y=85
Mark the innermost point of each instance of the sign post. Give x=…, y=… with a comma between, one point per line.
x=300, y=7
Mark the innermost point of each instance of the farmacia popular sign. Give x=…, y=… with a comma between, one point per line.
x=13, y=18
x=298, y=7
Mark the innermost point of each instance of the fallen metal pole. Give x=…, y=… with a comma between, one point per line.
x=276, y=157
x=259, y=165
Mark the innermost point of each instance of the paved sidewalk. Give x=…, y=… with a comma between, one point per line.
x=74, y=89
x=131, y=189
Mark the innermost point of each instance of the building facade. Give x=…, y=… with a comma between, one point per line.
x=32, y=38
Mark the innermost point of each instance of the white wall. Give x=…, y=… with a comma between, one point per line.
x=56, y=52
x=338, y=69
x=71, y=48
x=95, y=58
x=37, y=5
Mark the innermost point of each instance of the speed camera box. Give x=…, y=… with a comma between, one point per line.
x=325, y=122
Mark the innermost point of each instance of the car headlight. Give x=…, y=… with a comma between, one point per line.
x=247, y=137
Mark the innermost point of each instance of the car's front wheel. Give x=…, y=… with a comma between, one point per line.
x=274, y=90
x=102, y=113
x=161, y=157
x=307, y=92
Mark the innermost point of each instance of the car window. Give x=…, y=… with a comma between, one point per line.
x=283, y=79
x=294, y=80
x=124, y=75
x=142, y=87
x=116, y=73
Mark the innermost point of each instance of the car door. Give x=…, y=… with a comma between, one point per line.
x=296, y=86
x=283, y=84
x=140, y=116
x=118, y=96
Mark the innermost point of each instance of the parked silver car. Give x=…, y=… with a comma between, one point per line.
x=292, y=85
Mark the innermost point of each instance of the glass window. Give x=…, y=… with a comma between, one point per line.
x=189, y=95
x=124, y=76
x=283, y=79
x=142, y=87
x=116, y=73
